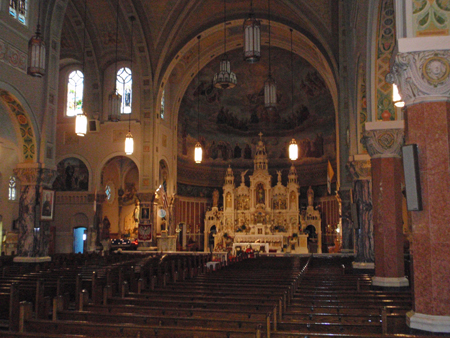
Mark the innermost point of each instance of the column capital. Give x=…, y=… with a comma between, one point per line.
x=35, y=176
x=423, y=76
x=360, y=170
x=384, y=142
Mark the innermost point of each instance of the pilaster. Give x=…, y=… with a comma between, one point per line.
x=423, y=78
x=384, y=147
x=33, y=233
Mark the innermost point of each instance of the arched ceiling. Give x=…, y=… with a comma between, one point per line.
x=164, y=27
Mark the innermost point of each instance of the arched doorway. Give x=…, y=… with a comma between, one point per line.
x=79, y=239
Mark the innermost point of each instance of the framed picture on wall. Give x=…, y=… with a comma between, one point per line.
x=145, y=213
x=47, y=204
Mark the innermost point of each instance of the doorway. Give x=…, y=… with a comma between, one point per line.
x=79, y=239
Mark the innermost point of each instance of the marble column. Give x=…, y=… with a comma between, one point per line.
x=33, y=233
x=424, y=83
x=384, y=146
x=360, y=169
x=347, y=222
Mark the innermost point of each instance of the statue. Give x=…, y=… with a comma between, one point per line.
x=310, y=195
x=243, y=177
x=215, y=198
x=279, y=175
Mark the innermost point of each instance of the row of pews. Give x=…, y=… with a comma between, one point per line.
x=178, y=296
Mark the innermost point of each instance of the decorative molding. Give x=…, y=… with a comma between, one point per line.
x=24, y=123
x=13, y=57
x=360, y=170
x=36, y=176
x=384, y=143
x=423, y=76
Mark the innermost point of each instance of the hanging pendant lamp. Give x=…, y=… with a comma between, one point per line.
x=114, y=98
x=129, y=141
x=293, y=147
x=270, y=86
x=252, y=37
x=81, y=119
x=225, y=78
x=36, y=51
x=198, y=154
x=396, y=98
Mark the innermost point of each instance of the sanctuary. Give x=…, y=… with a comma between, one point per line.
x=262, y=217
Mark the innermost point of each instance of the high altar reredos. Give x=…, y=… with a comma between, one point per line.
x=262, y=217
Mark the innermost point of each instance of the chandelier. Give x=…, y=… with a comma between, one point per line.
x=225, y=78
x=129, y=141
x=81, y=119
x=198, y=154
x=36, y=51
x=252, y=37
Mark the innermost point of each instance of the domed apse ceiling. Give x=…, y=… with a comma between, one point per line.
x=230, y=120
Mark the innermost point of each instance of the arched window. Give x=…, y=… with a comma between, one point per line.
x=110, y=192
x=12, y=190
x=75, y=85
x=18, y=9
x=124, y=83
x=163, y=100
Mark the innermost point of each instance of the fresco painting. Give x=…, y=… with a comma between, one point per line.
x=73, y=175
x=230, y=120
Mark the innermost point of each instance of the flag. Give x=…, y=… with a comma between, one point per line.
x=164, y=195
x=95, y=200
x=330, y=174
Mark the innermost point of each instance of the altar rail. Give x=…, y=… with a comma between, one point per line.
x=261, y=238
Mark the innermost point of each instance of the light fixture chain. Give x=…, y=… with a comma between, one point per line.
x=117, y=41
x=292, y=75
x=225, y=26
x=270, y=68
x=198, y=88
x=131, y=69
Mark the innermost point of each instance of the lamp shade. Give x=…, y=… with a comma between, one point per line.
x=252, y=39
x=81, y=124
x=398, y=102
x=293, y=150
x=198, y=152
x=114, y=105
x=225, y=79
x=129, y=144
x=270, y=94
x=36, y=55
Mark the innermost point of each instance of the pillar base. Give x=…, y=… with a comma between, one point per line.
x=363, y=265
x=420, y=321
x=390, y=282
x=44, y=259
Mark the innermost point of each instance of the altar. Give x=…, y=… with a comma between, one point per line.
x=261, y=247
x=261, y=213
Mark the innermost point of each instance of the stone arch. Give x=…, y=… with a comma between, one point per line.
x=24, y=123
x=106, y=159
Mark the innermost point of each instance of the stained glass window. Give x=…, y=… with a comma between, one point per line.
x=18, y=9
x=75, y=85
x=124, y=84
x=163, y=104
x=12, y=189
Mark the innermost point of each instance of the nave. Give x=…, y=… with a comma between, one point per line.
x=133, y=295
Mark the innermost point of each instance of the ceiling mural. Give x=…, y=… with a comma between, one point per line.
x=231, y=120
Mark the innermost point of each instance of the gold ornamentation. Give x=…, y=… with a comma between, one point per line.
x=436, y=70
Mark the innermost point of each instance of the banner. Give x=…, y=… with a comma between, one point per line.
x=144, y=232
x=330, y=174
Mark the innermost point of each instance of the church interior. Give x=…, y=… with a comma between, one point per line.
x=276, y=153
